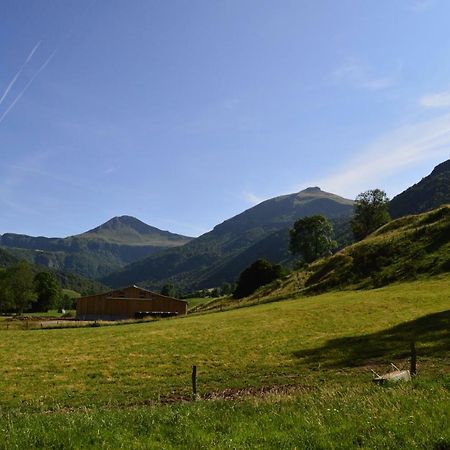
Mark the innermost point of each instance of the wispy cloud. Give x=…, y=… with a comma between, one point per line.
x=30, y=81
x=17, y=75
x=436, y=100
x=252, y=198
x=358, y=75
x=403, y=147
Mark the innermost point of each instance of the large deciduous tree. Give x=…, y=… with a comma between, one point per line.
x=312, y=237
x=18, y=287
x=48, y=291
x=371, y=212
x=261, y=272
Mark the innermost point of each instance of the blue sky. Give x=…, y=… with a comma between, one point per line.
x=185, y=113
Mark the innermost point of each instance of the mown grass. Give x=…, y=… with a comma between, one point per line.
x=256, y=346
x=94, y=383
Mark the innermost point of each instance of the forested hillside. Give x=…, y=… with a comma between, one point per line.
x=218, y=256
x=96, y=253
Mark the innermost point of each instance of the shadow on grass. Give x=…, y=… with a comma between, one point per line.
x=431, y=334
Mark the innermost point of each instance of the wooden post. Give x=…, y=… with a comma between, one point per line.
x=194, y=382
x=413, y=367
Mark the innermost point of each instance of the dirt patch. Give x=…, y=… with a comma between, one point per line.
x=230, y=394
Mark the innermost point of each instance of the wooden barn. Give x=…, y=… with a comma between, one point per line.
x=131, y=302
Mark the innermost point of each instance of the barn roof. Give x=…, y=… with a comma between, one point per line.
x=133, y=287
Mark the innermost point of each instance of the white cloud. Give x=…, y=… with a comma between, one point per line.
x=403, y=147
x=252, y=198
x=436, y=100
x=360, y=76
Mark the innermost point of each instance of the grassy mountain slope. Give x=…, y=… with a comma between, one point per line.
x=206, y=261
x=98, y=252
x=402, y=249
x=413, y=247
x=429, y=193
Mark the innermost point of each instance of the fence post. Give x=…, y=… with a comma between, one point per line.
x=413, y=367
x=194, y=382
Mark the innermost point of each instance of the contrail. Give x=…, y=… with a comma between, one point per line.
x=19, y=95
x=17, y=75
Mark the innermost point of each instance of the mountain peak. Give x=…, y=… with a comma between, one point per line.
x=312, y=189
x=443, y=167
x=129, y=230
x=121, y=221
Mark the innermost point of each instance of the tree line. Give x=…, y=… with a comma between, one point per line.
x=23, y=290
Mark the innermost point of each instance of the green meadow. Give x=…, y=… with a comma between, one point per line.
x=288, y=374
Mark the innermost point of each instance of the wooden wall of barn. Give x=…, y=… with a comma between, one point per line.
x=123, y=304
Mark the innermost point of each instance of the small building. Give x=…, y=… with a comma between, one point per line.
x=131, y=302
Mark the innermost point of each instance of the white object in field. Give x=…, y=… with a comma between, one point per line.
x=393, y=377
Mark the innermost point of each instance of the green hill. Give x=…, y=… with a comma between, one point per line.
x=429, y=193
x=97, y=252
x=413, y=247
x=404, y=249
x=219, y=255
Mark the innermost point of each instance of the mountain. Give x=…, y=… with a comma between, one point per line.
x=127, y=230
x=67, y=280
x=218, y=256
x=429, y=193
x=97, y=252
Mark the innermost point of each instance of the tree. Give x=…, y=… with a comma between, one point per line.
x=18, y=287
x=169, y=290
x=312, y=237
x=371, y=212
x=226, y=289
x=48, y=291
x=5, y=294
x=261, y=272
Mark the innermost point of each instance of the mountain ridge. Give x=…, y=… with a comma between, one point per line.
x=96, y=252
x=136, y=231
x=201, y=260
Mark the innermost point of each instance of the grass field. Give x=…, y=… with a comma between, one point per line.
x=194, y=302
x=123, y=386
